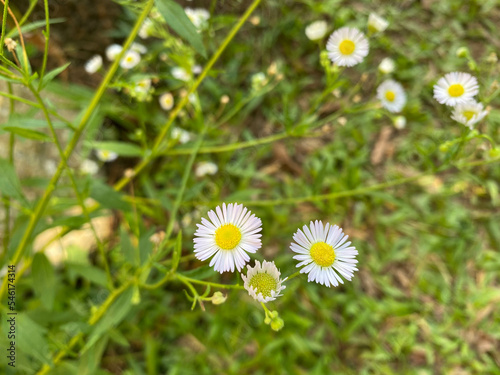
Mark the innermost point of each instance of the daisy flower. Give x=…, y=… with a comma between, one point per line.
x=130, y=59
x=455, y=88
x=94, y=64
x=377, y=24
x=231, y=233
x=139, y=48
x=263, y=283
x=89, y=167
x=392, y=95
x=180, y=73
x=181, y=135
x=166, y=101
x=113, y=51
x=146, y=29
x=205, y=167
x=198, y=17
x=323, y=251
x=387, y=66
x=106, y=155
x=347, y=46
x=316, y=30
x=469, y=113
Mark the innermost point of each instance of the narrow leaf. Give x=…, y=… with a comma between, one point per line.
x=177, y=19
x=44, y=280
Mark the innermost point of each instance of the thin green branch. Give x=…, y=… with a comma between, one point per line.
x=4, y=24
x=42, y=203
x=46, y=48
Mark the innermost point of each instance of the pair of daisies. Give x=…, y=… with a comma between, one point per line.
x=348, y=46
x=457, y=90
x=232, y=232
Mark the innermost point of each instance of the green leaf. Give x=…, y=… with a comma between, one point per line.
x=44, y=280
x=28, y=133
x=177, y=19
x=107, y=196
x=30, y=338
x=176, y=256
x=9, y=183
x=90, y=361
x=51, y=75
x=88, y=272
x=113, y=316
x=121, y=148
x=127, y=248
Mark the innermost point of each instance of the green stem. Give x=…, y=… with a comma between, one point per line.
x=4, y=24
x=46, y=48
x=293, y=275
x=42, y=203
x=159, y=139
x=208, y=283
x=81, y=202
x=6, y=233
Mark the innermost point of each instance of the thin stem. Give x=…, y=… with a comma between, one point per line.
x=6, y=233
x=46, y=49
x=100, y=245
x=159, y=139
x=42, y=203
x=293, y=275
x=4, y=24
x=208, y=283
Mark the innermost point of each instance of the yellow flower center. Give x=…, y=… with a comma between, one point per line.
x=468, y=114
x=456, y=90
x=105, y=154
x=264, y=283
x=227, y=236
x=130, y=59
x=347, y=47
x=322, y=254
x=390, y=96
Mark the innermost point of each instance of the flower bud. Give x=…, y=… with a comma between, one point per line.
x=277, y=324
x=218, y=298
x=462, y=52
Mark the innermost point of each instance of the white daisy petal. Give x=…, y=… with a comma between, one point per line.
x=229, y=235
x=469, y=113
x=347, y=46
x=392, y=95
x=263, y=282
x=325, y=255
x=455, y=88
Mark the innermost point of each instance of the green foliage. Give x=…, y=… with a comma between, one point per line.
x=115, y=286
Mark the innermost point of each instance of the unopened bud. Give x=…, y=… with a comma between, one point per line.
x=277, y=324
x=462, y=52
x=218, y=298
x=224, y=99
x=11, y=44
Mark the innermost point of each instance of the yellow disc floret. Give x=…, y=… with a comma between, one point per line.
x=390, y=96
x=264, y=283
x=468, y=114
x=322, y=254
x=456, y=90
x=227, y=236
x=347, y=47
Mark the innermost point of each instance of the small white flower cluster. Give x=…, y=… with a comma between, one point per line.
x=232, y=232
x=457, y=90
x=199, y=17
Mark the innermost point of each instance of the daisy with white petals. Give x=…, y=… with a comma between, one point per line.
x=377, y=24
x=324, y=253
x=392, y=95
x=166, y=101
x=263, y=283
x=347, y=46
x=316, y=30
x=130, y=59
x=113, y=51
x=94, y=64
x=387, y=66
x=229, y=236
x=106, y=155
x=455, y=88
x=469, y=113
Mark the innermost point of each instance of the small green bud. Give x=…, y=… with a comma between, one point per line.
x=445, y=147
x=267, y=320
x=494, y=152
x=277, y=324
x=462, y=52
x=136, y=295
x=274, y=314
